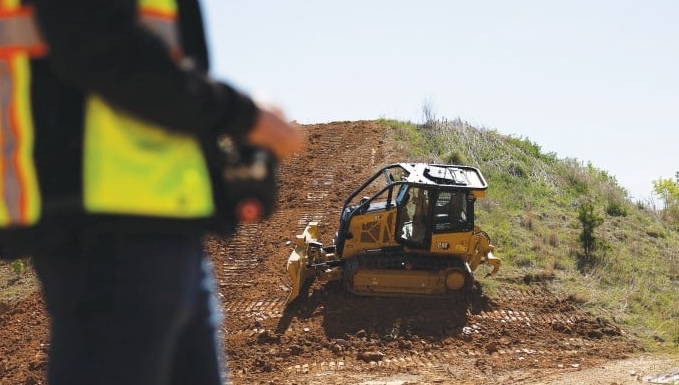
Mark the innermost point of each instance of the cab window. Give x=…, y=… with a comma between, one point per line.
x=450, y=211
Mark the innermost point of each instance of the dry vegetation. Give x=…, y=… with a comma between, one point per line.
x=532, y=211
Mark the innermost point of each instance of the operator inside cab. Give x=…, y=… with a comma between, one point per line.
x=448, y=214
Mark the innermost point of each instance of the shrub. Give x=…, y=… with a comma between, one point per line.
x=589, y=221
x=616, y=209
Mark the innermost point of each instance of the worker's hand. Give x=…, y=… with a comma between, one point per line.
x=272, y=132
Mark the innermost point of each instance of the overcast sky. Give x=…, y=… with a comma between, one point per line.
x=592, y=80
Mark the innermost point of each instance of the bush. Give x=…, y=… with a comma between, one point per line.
x=616, y=209
x=589, y=221
x=454, y=157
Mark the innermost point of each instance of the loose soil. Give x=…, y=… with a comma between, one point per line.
x=515, y=336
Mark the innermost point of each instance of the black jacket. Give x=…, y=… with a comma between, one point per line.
x=97, y=46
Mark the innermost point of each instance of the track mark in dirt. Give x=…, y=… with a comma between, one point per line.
x=237, y=308
x=321, y=189
x=305, y=219
x=239, y=261
x=259, y=310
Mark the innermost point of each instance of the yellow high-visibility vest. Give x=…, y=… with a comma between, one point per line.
x=130, y=166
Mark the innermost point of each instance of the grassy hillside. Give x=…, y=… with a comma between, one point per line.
x=531, y=213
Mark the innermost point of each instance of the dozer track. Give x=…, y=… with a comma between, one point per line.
x=400, y=273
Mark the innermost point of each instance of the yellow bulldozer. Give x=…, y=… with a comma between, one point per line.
x=407, y=230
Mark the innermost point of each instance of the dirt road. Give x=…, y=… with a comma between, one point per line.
x=520, y=336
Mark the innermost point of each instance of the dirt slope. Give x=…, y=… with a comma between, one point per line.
x=519, y=336
x=336, y=338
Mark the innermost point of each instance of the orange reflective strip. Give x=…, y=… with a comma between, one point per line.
x=158, y=13
x=13, y=11
x=24, y=116
x=19, y=196
x=162, y=22
x=19, y=32
x=166, y=29
x=164, y=8
x=8, y=181
x=20, y=39
x=15, y=125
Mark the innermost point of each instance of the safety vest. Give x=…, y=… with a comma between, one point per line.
x=130, y=166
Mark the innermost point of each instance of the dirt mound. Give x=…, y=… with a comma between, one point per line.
x=332, y=337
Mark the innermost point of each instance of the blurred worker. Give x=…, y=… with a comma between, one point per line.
x=109, y=178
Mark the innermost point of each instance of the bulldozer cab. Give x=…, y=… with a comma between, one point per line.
x=416, y=201
x=424, y=210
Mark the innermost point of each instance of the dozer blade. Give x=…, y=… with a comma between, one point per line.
x=494, y=262
x=298, y=261
x=296, y=268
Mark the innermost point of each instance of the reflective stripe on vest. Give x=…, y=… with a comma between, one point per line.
x=130, y=166
x=159, y=16
x=20, y=202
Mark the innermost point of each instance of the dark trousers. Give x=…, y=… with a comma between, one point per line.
x=131, y=310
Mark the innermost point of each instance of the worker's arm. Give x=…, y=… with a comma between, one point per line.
x=98, y=47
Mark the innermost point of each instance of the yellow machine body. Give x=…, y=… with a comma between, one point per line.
x=415, y=235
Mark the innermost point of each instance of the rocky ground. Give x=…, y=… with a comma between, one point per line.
x=517, y=336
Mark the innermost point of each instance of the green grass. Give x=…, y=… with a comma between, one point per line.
x=531, y=213
x=17, y=280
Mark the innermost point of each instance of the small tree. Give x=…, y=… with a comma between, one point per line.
x=668, y=191
x=590, y=221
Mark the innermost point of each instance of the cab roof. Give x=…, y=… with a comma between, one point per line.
x=447, y=175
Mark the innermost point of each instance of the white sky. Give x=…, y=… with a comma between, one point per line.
x=592, y=80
